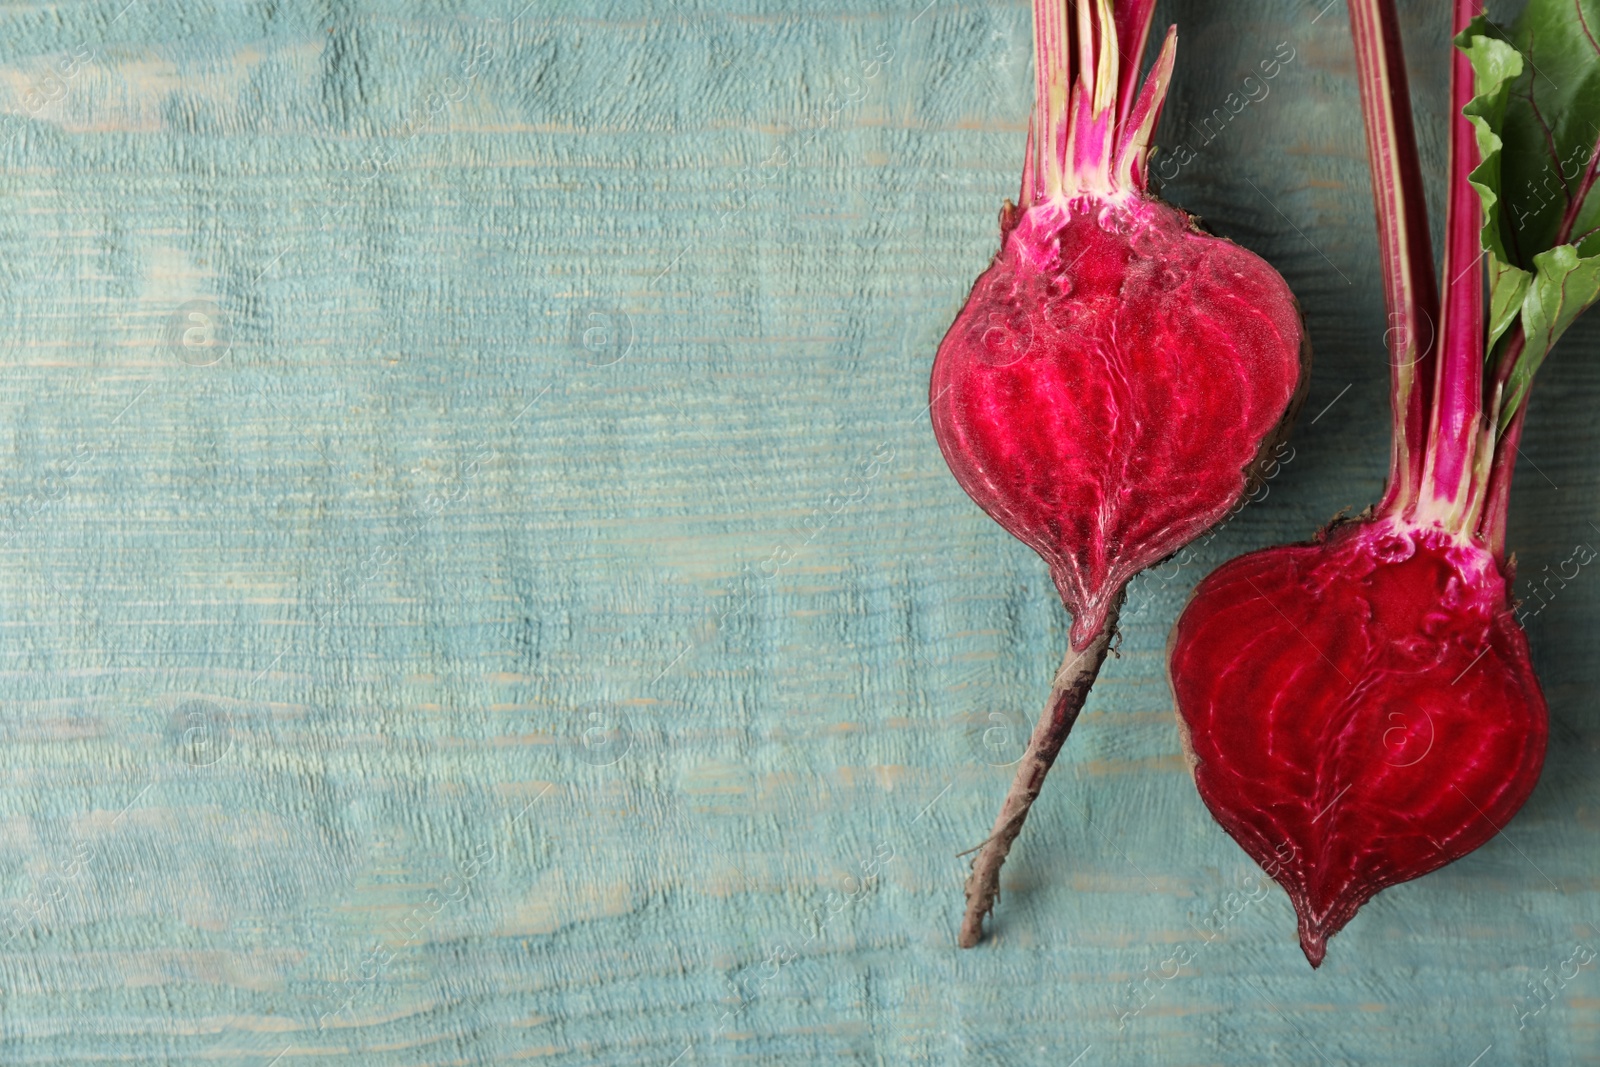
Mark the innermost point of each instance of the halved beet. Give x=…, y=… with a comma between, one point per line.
x=1359, y=710
x=1362, y=709
x=1117, y=373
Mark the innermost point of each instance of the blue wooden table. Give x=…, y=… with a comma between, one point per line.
x=478, y=585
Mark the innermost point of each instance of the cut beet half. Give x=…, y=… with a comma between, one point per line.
x=1118, y=375
x=1358, y=711
x=1362, y=709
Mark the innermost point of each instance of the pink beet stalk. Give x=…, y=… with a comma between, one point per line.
x=1365, y=703
x=1410, y=291
x=1453, y=482
x=1117, y=375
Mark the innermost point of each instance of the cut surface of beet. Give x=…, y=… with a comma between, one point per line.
x=1109, y=384
x=1358, y=711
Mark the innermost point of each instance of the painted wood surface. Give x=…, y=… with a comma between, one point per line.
x=479, y=585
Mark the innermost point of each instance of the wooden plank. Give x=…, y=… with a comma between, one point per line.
x=401, y=672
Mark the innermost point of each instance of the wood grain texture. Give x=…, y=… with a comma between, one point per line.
x=493, y=630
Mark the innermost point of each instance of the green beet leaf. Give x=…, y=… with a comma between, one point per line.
x=1537, y=118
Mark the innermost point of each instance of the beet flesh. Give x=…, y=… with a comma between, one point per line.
x=1358, y=711
x=1111, y=381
